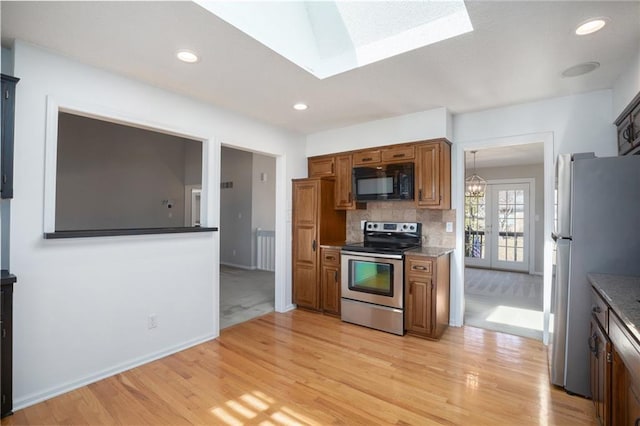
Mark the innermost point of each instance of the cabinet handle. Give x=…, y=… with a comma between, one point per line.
x=637, y=423
x=596, y=309
x=330, y=257
x=314, y=245
x=398, y=155
x=420, y=195
x=332, y=168
x=419, y=267
x=335, y=276
x=350, y=197
x=367, y=159
x=625, y=134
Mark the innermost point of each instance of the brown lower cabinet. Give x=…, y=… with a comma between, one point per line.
x=426, y=295
x=615, y=368
x=330, y=280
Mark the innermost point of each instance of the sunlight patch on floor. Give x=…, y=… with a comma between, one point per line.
x=249, y=406
x=518, y=317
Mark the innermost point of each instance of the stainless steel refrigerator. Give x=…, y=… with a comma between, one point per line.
x=597, y=231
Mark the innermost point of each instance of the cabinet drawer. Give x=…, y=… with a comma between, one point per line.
x=600, y=309
x=625, y=345
x=330, y=257
x=404, y=153
x=419, y=265
x=366, y=157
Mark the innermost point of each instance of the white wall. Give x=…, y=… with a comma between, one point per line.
x=263, y=197
x=81, y=305
x=235, y=208
x=627, y=85
x=7, y=61
x=431, y=124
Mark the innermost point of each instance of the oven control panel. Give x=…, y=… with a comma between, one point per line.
x=392, y=226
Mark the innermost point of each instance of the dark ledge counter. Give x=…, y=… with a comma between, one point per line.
x=622, y=293
x=118, y=232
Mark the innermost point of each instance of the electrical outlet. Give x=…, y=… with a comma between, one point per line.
x=152, y=321
x=449, y=227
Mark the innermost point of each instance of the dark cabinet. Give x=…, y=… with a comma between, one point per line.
x=600, y=366
x=8, y=113
x=628, y=125
x=6, y=351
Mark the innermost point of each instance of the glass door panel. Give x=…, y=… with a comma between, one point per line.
x=477, y=252
x=511, y=211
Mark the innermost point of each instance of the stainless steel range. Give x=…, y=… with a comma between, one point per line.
x=373, y=275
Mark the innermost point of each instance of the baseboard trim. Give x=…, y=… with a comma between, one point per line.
x=289, y=307
x=35, y=398
x=537, y=273
x=248, y=268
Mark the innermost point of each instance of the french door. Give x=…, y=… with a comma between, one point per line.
x=497, y=227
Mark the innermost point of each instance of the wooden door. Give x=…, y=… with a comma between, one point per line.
x=305, y=247
x=428, y=175
x=343, y=192
x=331, y=289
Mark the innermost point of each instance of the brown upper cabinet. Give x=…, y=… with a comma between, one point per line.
x=344, y=195
x=321, y=166
x=432, y=161
x=433, y=175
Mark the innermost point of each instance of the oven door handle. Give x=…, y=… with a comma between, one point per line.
x=369, y=254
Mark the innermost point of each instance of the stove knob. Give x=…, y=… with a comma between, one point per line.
x=404, y=226
x=412, y=227
x=375, y=225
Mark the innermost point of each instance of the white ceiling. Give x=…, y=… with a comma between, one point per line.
x=516, y=53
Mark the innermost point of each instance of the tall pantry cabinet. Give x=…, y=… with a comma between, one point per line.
x=315, y=222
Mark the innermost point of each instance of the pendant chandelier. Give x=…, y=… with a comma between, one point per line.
x=474, y=184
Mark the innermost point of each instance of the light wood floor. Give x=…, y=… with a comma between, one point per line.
x=306, y=368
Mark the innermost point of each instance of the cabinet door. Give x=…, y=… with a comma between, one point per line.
x=7, y=349
x=331, y=289
x=398, y=154
x=343, y=191
x=305, y=244
x=600, y=366
x=635, y=126
x=364, y=158
x=418, y=295
x=6, y=165
x=428, y=175
x=321, y=166
x=625, y=136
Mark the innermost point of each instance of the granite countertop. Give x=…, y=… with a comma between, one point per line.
x=333, y=245
x=622, y=293
x=430, y=251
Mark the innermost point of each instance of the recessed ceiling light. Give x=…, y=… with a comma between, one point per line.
x=591, y=26
x=300, y=106
x=187, y=56
x=580, y=69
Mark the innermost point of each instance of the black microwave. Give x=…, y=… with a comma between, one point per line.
x=385, y=182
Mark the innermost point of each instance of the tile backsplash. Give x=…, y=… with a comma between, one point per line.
x=433, y=221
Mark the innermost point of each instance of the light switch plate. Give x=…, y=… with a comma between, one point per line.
x=362, y=222
x=449, y=227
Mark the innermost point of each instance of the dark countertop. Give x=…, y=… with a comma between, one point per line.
x=429, y=251
x=7, y=278
x=622, y=293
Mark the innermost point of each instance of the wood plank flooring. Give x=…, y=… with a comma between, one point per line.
x=306, y=368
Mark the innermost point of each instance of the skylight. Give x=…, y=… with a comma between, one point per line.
x=328, y=38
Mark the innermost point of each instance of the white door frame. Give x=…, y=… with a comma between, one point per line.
x=457, y=264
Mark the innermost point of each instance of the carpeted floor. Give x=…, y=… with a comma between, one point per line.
x=244, y=294
x=509, y=302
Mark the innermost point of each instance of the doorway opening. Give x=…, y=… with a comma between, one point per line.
x=247, y=235
x=503, y=236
